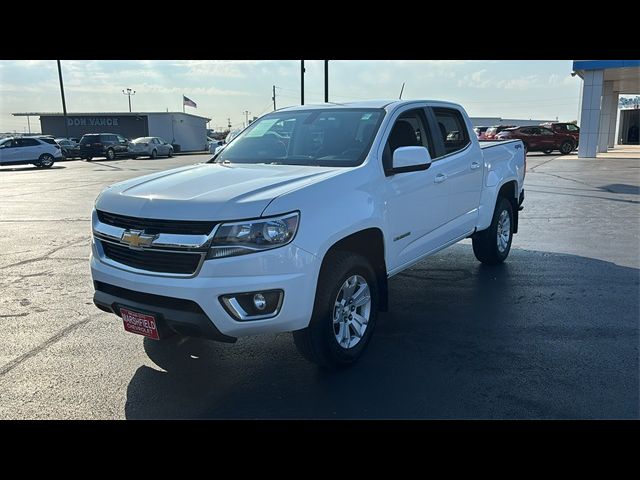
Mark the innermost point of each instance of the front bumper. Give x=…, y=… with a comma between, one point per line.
x=288, y=268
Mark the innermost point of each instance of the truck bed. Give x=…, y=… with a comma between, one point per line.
x=493, y=143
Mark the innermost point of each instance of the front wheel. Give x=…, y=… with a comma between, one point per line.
x=154, y=154
x=170, y=154
x=492, y=246
x=111, y=154
x=344, y=313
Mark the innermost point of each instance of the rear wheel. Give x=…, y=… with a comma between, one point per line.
x=111, y=154
x=566, y=148
x=548, y=152
x=492, y=246
x=45, y=161
x=344, y=313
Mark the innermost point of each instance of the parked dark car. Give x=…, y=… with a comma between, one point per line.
x=492, y=132
x=539, y=139
x=70, y=149
x=566, y=128
x=108, y=145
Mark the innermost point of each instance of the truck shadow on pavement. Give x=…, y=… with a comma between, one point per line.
x=545, y=335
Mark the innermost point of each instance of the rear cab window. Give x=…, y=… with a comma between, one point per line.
x=453, y=129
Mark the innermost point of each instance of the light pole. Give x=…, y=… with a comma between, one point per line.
x=128, y=92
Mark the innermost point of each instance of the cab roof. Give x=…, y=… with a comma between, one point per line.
x=387, y=104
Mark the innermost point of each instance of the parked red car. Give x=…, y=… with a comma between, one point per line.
x=539, y=139
x=566, y=128
x=492, y=132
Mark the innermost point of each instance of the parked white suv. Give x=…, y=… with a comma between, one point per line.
x=25, y=150
x=298, y=223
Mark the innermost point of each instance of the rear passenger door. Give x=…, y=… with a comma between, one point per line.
x=29, y=149
x=462, y=168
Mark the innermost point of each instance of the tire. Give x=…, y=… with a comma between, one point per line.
x=487, y=247
x=154, y=154
x=548, y=152
x=133, y=157
x=319, y=342
x=170, y=154
x=45, y=161
x=566, y=148
x=110, y=154
x=88, y=159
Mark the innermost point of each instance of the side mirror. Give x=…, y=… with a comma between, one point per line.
x=409, y=159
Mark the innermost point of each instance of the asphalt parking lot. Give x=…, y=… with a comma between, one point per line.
x=553, y=333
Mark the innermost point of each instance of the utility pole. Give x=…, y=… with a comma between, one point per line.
x=301, y=82
x=64, y=104
x=128, y=92
x=274, y=97
x=246, y=117
x=29, y=123
x=326, y=81
x=229, y=123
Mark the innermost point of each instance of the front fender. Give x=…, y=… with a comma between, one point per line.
x=330, y=210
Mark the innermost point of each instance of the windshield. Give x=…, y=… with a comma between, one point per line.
x=333, y=137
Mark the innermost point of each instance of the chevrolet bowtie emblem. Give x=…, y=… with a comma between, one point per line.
x=137, y=238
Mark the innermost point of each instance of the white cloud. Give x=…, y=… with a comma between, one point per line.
x=480, y=79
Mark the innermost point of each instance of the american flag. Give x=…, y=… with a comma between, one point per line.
x=188, y=102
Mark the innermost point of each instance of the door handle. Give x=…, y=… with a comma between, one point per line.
x=475, y=165
x=440, y=178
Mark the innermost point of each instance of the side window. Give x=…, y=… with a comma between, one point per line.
x=534, y=131
x=453, y=129
x=571, y=127
x=28, y=142
x=546, y=131
x=121, y=138
x=409, y=130
x=526, y=131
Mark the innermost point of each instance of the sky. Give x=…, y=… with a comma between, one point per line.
x=528, y=89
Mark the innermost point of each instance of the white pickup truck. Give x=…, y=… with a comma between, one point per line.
x=300, y=221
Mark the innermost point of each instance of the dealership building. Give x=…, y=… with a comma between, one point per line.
x=185, y=131
x=602, y=123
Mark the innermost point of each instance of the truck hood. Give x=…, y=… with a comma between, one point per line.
x=208, y=191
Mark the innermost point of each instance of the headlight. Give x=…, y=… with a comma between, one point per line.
x=248, y=236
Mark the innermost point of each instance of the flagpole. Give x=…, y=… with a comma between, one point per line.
x=183, y=103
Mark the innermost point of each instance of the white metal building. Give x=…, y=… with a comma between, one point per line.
x=603, y=83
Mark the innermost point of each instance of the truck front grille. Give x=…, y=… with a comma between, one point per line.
x=153, y=260
x=153, y=226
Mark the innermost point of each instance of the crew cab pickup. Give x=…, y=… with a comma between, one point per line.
x=299, y=222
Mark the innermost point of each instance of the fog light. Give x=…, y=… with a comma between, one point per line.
x=259, y=301
x=253, y=305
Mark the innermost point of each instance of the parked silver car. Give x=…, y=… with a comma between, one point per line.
x=151, y=147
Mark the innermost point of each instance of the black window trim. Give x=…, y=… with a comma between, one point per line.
x=439, y=142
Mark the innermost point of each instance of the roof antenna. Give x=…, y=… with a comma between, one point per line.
x=401, y=90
